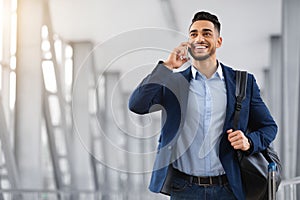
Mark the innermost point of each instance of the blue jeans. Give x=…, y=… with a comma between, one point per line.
x=184, y=190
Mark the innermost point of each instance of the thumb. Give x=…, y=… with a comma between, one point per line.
x=229, y=131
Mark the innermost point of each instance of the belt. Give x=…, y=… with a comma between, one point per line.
x=202, y=180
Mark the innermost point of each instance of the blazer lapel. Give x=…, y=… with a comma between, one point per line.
x=184, y=91
x=229, y=76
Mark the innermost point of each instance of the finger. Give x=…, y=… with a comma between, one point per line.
x=185, y=44
x=237, y=142
x=186, y=52
x=232, y=137
x=235, y=133
x=241, y=146
x=176, y=55
x=232, y=134
x=182, y=56
x=184, y=49
x=229, y=131
x=238, y=146
x=179, y=51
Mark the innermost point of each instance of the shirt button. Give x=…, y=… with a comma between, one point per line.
x=169, y=147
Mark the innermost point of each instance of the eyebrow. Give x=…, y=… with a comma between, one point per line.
x=204, y=30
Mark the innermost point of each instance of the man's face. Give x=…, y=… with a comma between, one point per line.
x=204, y=40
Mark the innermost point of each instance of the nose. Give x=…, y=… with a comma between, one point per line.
x=200, y=38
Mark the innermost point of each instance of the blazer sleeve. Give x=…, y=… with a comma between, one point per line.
x=149, y=92
x=262, y=126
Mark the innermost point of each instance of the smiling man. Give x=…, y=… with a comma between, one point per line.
x=196, y=156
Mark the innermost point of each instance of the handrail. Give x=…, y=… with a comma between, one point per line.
x=288, y=189
x=80, y=194
x=292, y=181
x=49, y=191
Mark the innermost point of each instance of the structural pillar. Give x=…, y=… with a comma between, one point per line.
x=276, y=88
x=29, y=93
x=290, y=30
x=81, y=146
x=115, y=140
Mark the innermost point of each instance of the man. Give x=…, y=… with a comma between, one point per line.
x=196, y=156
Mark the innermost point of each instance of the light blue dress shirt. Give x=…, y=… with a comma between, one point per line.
x=197, y=148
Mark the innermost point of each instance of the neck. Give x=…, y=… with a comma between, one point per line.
x=207, y=67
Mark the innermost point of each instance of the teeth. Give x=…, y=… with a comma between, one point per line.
x=200, y=47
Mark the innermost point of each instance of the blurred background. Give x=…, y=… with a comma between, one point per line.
x=67, y=68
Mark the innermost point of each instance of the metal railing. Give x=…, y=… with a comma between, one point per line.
x=288, y=189
x=34, y=194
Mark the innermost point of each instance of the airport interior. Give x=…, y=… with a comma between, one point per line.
x=68, y=67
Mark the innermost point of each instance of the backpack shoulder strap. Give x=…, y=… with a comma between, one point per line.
x=240, y=93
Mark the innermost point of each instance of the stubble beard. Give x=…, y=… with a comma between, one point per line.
x=201, y=58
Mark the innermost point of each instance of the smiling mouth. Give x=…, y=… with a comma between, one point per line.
x=200, y=47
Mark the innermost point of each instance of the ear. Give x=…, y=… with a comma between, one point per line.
x=219, y=42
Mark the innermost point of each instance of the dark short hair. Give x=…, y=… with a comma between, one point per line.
x=202, y=15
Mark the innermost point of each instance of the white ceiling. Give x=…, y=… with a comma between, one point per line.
x=246, y=25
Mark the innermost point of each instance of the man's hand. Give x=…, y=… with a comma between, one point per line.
x=178, y=56
x=238, y=140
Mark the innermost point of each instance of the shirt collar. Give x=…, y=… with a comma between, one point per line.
x=218, y=73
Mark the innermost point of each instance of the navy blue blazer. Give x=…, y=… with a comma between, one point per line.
x=167, y=91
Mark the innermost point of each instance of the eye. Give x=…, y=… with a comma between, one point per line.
x=207, y=34
x=193, y=34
